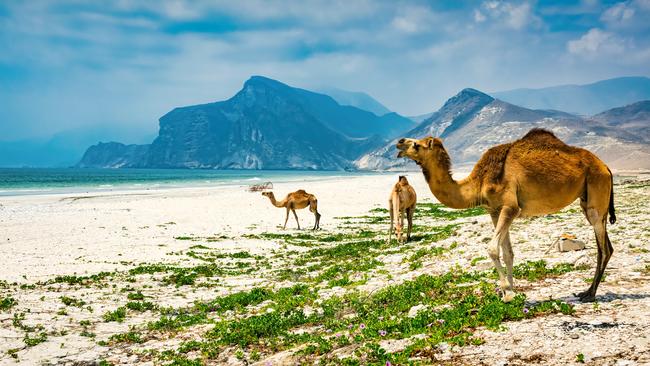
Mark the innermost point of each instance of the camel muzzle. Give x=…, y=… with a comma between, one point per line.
x=402, y=145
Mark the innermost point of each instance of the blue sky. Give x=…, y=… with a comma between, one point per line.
x=81, y=64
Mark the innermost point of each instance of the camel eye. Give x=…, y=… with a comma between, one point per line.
x=416, y=146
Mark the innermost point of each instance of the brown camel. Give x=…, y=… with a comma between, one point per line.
x=402, y=201
x=295, y=201
x=535, y=175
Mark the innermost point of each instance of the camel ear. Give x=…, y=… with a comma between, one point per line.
x=436, y=141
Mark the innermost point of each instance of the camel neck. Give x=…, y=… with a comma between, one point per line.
x=451, y=193
x=274, y=202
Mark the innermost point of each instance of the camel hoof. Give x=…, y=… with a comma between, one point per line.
x=508, y=296
x=586, y=296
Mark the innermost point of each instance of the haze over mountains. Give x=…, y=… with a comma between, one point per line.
x=585, y=100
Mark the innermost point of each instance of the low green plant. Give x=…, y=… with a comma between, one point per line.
x=117, y=315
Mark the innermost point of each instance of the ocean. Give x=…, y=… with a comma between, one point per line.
x=29, y=181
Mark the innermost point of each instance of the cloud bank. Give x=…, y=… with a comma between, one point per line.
x=70, y=64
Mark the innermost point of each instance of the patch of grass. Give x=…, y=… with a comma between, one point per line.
x=180, y=276
x=7, y=303
x=81, y=280
x=141, y=306
x=32, y=341
x=71, y=301
x=117, y=315
x=135, y=296
x=536, y=270
x=478, y=259
x=433, y=251
x=128, y=337
x=470, y=302
x=439, y=211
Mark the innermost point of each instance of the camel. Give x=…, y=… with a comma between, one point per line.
x=535, y=175
x=402, y=201
x=295, y=201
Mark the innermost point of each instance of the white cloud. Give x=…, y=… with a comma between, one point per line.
x=619, y=13
x=413, y=19
x=515, y=16
x=478, y=16
x=596, y=42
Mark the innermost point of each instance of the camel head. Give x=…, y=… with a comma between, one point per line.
x=268, y=194
x=424, y=150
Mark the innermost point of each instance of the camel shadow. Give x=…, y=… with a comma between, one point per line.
x=605, y=298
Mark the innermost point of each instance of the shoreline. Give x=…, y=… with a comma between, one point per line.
x=155, y=186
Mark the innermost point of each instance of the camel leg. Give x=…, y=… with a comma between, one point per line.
x=502, y=221
x=597, y=217
x=286, y=218
x=296, y=216
x=401, y=225
x=390, y=229
x=313, y=208
x=605, y=251
x=508, y=259
x=409, y=217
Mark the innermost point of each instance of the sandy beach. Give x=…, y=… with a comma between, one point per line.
x=44, y=238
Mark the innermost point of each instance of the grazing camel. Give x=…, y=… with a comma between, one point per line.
x=535, y=175
x=402, y=201
x=295, y=201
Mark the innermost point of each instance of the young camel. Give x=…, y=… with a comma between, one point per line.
x=402, y=201
x=295, y=201
x=535, y=175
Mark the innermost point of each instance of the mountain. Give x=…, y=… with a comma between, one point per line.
x=581, y=99
x=266, y=125
x=634, y=118
x=114, y=155
x=64, y=148
x=471, y=122
x=356, y=99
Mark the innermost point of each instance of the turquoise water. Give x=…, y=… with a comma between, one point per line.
x=22, y=181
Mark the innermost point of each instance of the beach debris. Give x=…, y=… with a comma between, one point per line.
x=260, y=187
x=566, y=243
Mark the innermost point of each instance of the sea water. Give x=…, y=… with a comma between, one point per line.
x=25, y=181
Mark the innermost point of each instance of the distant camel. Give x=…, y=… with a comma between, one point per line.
x=295, y=201
x=402, y=201
x=535, y=175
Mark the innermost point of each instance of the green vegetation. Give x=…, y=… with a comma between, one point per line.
x=534, y=271
x=439, y=211
x=117, y=315
x=135, y=296
x=32, y=341
x=81, y=280
x=128, y=337
x=7, y=303
x=470, y=300
x=71, y=301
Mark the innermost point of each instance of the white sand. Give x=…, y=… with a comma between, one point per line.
x=57, y=234
x=49, y=235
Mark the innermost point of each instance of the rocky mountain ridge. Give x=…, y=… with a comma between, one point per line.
x=472, y=121
x=266, y=125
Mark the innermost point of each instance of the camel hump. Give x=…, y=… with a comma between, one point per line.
x=301, y=191
x=492, y=163
x=539, y=133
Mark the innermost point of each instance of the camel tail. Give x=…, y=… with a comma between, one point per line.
x=612, y=214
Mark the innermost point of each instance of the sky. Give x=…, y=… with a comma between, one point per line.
x=75, y=64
